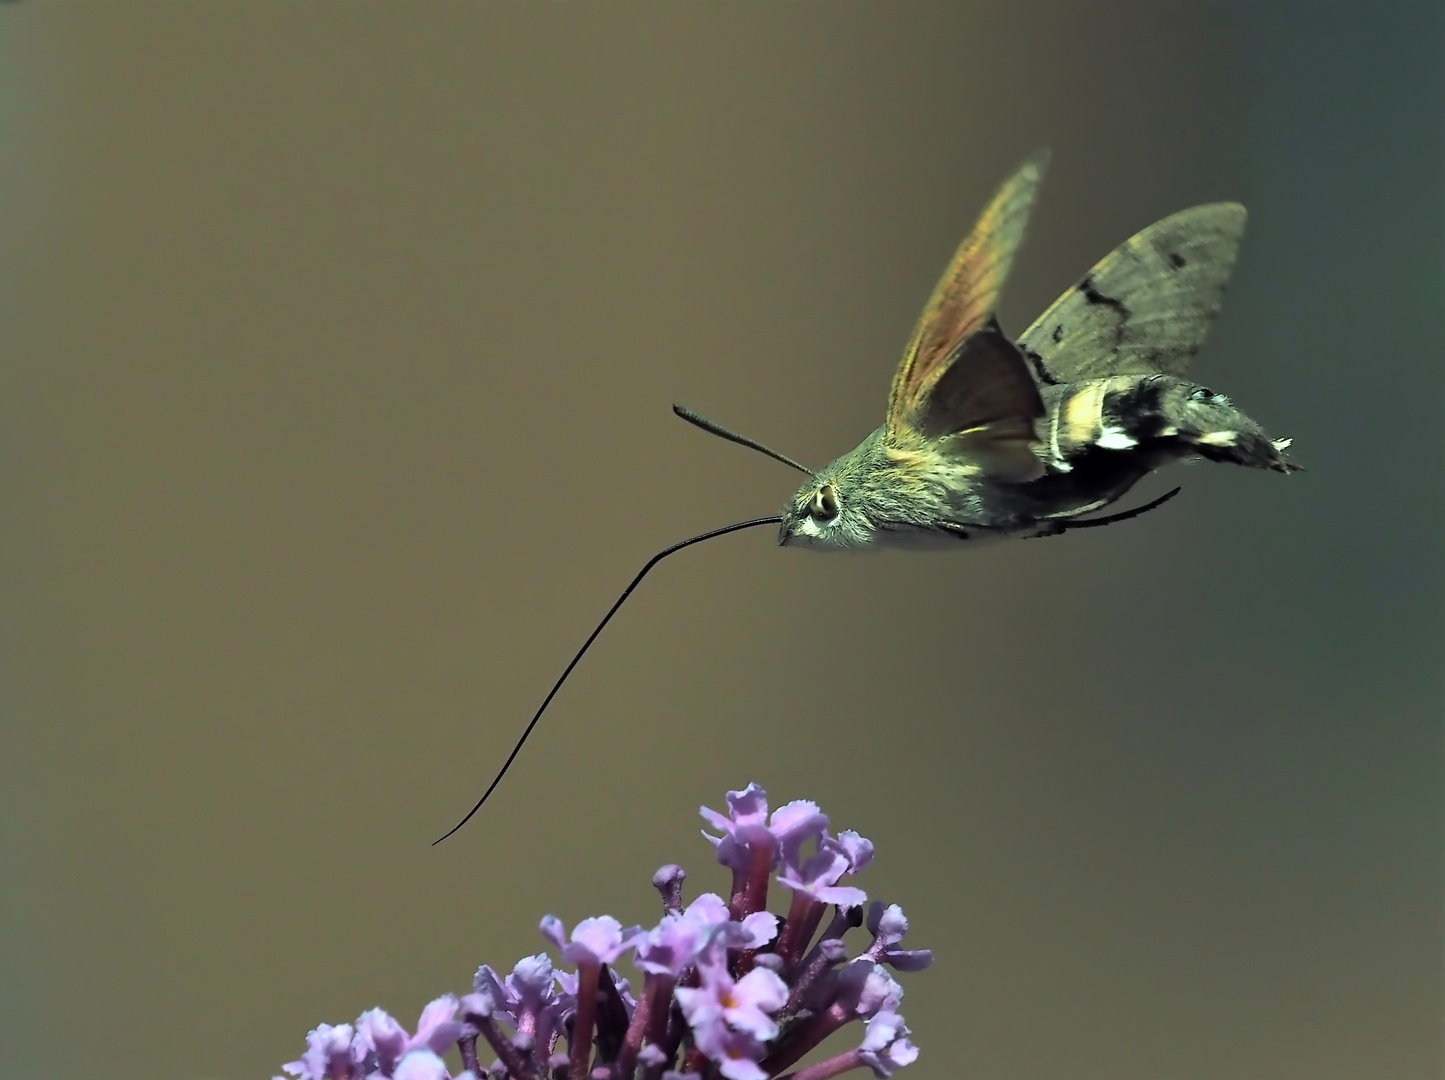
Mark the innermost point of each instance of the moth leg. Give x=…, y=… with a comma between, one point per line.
x=1047, y=528
x=960, y=532
x=1058, y=527
x=1110, y=519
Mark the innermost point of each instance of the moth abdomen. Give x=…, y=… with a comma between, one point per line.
x=1159, y=417
x=1214, y=428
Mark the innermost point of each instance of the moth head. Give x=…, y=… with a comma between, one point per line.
x=811, y=515
x=826, y=514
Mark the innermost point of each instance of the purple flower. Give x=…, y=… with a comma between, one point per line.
x=747, y=826
x=794, y=822
x=378, y=1038
x=728, y=989
x=858, y=850
x=886, y=1046
x=527, y=999
x=421, y=1065
x=746, y=1004
x=437, y=1029
x=756, y=930
x=567, y=983
x=528, y=988
x=597, y=941
x=678, y=940
x=860, y=988
x=817, y=876
x=736, y=1053
x=708, y=912
x=888, y=925
x=671, y=946
x=378, y=1046
x=880, y=992
x=328, y=1054
x=746, y=823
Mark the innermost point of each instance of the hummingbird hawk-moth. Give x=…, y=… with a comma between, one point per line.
x=991, y=438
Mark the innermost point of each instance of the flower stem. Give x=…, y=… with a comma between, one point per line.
x=791, y=941
x=668, y=882
x=814, y=966
x=643, y=1022
x=666, y=1028
x=580, y=1045
x=467, y=1045
x=695, y=1061
x=750, y=886
x=758, y=884
x=660, y=1005
x=825, y=1070
x=517, y=1065
x=804, y=1037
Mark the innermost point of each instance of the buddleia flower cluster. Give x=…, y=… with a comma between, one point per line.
x=728, y=988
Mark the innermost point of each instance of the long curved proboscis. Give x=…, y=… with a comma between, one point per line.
x=664, y=553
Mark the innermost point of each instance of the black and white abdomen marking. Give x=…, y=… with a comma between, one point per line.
x=1155, y=417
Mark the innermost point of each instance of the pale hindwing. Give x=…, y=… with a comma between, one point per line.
x=965, y=297
x=1147, y=306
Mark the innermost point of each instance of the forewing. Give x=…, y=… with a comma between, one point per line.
x=965, y=297
x=1147, y=305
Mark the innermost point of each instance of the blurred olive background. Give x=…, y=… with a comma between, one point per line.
x=339, y=341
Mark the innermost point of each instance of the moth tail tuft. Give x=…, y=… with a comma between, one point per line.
x=1243, y=445
x=1214, y=428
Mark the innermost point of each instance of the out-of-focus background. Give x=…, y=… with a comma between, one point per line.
x=338, y=346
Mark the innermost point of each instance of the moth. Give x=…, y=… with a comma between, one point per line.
x=987, y=438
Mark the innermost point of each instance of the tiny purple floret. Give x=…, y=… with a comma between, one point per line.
x=599, y=940
x=888, y=925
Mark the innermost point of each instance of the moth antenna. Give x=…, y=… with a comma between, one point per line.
x=664, y=553
x=742, y=440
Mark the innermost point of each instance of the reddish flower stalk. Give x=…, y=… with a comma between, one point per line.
x=580, y=1049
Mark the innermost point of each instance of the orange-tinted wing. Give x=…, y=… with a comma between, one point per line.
x=965, y=297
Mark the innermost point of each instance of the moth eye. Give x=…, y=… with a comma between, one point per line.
x=824, y=506
x=1202, y=393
